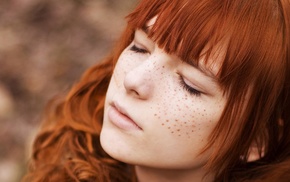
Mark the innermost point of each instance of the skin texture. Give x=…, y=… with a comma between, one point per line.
x=175, y=105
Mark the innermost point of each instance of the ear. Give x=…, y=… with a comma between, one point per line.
x=255, y=152
x=257, y=149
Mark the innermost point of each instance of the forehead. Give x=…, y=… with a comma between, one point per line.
x=150, y=23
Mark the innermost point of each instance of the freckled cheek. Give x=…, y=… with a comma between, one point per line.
x=184, y=120
x=175, y=122
x=175, y=114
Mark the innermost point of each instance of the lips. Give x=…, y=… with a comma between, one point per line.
x=119, y=117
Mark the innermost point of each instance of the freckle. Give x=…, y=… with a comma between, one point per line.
x=172, y=132
x=178, y=130
x=185, y=122
x=179, y=135
x=169, y=127
x=176, y=120
x=162, y=124
x=167, y=120
x=155, y=114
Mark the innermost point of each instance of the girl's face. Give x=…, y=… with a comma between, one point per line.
x=159, y=110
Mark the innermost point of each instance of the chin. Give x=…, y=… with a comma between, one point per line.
x=114, y=145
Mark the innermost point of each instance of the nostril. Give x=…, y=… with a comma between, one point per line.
x=134, y=92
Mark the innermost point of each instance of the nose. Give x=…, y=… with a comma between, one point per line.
x=139, y=83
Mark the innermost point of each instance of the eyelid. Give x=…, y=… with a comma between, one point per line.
x=140, y=46
x=189, y=83
x=141, y=40
x=188, y=86
x=136, y=49
x=205, y=83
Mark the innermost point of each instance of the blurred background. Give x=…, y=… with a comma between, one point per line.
x=45, y=46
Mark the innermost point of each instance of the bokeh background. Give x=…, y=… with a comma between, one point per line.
x=45, y=46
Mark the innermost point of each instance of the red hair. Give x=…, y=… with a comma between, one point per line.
x=256, y=43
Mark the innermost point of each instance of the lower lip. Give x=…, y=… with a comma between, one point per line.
x=121, y=120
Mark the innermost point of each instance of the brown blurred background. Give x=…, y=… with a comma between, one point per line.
x=45, y=46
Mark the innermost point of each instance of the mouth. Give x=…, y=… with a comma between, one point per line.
x=120, y=118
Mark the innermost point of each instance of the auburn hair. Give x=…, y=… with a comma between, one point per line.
x=254, y=75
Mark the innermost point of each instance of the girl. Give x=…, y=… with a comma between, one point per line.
x=194, y=91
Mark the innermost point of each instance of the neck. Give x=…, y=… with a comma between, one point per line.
x=145, y=174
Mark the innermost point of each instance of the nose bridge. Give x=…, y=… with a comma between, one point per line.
x=140, y=81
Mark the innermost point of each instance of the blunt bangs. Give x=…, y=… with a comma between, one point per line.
x=252, y=37
x=249, y=33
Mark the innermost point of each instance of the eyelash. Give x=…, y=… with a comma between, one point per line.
x=188, y=88
x=136, y=49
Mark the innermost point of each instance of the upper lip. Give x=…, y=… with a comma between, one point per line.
x=123, y=111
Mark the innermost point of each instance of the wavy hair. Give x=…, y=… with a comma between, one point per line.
x=254, y=74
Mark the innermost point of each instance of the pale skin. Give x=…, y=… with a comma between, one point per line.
x=172, y=108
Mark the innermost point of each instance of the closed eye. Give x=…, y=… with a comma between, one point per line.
x=188, y=88
x=136, y=49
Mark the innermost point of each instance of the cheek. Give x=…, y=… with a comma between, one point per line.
x=124, y=64
x=184, y=116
